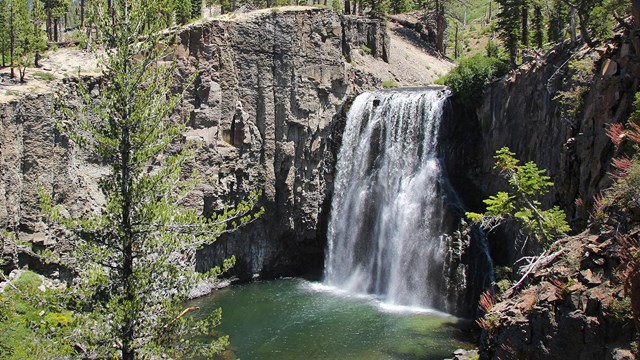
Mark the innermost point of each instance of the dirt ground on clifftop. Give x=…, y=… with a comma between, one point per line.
x=411, y=62
x=55, y=66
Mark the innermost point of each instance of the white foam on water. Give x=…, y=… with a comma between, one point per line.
x=374, y=300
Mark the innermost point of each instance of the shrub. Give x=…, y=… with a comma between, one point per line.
x=365, y=49
x=34, y=321
x=42, y=75
x=389, y=84
x=469, y=78
x=571, y=100
x=620, y=309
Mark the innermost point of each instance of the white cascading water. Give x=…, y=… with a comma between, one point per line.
x=385, y=232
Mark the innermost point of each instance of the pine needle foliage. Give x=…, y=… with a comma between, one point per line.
x=138, y=250
x=526, y=182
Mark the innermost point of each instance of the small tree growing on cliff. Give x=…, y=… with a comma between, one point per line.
x=526, y=182
x=135, y=251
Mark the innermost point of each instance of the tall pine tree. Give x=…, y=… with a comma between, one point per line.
x=538, y=26
x=509, y=27
x=138, y=250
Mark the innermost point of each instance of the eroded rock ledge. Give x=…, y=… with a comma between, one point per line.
x=574, y=307
x=265, y=105
x=524, y=111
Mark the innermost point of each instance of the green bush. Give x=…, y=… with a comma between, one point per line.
x=581, y=73
x=365, y=49
x=43, y=75
x=469, y=78
x=389, y=84
x=621, y=309
x=34, y=322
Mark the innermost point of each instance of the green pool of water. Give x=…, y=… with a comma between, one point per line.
x=297, y=319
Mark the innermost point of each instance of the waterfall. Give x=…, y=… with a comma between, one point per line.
x=386, y=232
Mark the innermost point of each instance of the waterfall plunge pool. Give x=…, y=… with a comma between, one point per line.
x=297, y=319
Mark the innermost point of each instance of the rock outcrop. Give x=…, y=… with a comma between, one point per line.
x=265, y=106
x=575, y=308
x=554, y=110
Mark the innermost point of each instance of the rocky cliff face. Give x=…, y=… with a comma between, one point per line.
x=574, y=308
x=265, y=106
x=554, y=111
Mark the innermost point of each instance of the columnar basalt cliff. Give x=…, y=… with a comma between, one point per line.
x=264, y=105
x=554, y=110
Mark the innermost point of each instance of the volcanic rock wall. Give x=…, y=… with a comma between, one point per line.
x=529, y=112
x=264, y=105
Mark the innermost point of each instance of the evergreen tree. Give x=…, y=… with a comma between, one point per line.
x=524, y=17
x=377, y=8
x=400, y=6
x=441, y=25
x=558, y=20
x=538, y=26
x=136, y=249
x=161, y=14
x=54, y=10
x=509, y=27
x=196, y=9
x=210, y=4
x=4, y=31
x=19, y=34
x=26, y=35
x=225, y=6
x=596, y=16
x=525, y=182
x=183, y=11
x=38, y=43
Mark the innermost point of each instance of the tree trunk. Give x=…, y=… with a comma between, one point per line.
x=12, y=40
x=89, y=35
x=490, y=4
x=36, y=55
x=538, y=20
x=2, y=51
x=572, y=24
x=56, y=37
x=513, y=56
x=440, y=21
x=575, y=11
x=636, y=22
x=455, y=50
x=586, y=36
x=49, y=24
x=128, y=326
x=111, y=12
x=82, y=14
x=347, y=7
